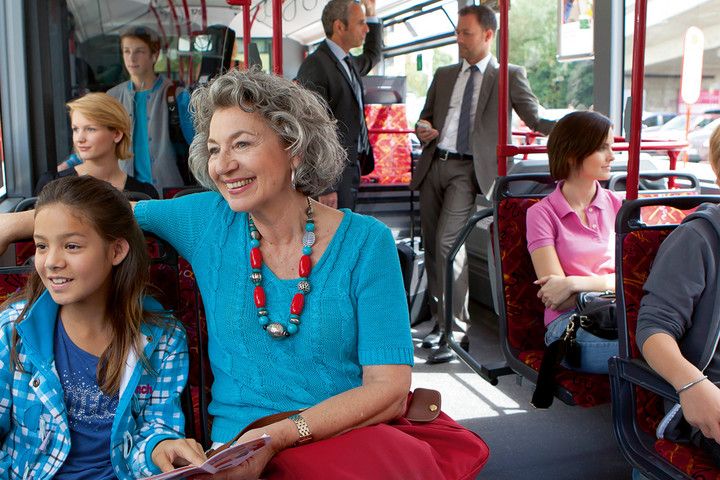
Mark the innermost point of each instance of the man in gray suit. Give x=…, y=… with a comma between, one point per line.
x=459, y=127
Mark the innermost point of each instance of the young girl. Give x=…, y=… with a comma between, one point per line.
x=91, y=371
x=571, y=232
x=101, y=137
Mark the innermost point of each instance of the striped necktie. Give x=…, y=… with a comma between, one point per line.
x=464, y=127
x=363, y=140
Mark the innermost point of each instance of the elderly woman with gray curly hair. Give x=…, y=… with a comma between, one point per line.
x=305, y=304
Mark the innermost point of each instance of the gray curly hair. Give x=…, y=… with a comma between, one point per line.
x=298, y=116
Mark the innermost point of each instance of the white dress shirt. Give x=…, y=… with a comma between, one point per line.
x=448, y=137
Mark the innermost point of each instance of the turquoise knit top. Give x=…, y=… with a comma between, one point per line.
x=356, y=313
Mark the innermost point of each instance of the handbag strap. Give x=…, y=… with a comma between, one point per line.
x=544, y=393
x=423, y=406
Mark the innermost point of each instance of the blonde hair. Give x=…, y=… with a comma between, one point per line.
x=714, y=154
x=108, y=112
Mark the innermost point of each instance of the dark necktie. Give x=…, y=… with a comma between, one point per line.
x=464, y=127
x=363, y=140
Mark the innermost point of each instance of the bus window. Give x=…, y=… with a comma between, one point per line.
x=661, y=87
x=419, y=67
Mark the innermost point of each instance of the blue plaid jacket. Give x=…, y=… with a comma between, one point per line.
x=34, y=430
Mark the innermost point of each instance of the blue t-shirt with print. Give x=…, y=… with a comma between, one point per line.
x=90, y=412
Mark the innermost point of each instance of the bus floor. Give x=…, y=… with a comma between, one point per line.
x=559, y=443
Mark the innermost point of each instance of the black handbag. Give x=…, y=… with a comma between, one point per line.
x=595, y=314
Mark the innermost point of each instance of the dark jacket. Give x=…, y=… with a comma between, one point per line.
x=322, y=72
x=683, y=290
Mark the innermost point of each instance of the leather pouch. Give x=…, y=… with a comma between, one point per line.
x=424, y=405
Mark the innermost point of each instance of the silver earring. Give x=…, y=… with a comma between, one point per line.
x=292, y=178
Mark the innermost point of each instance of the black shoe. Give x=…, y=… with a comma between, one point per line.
x=442, y=354
x=433, y=338
x=465, y=343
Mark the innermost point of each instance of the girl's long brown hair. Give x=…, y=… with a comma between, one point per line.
x=109, y=213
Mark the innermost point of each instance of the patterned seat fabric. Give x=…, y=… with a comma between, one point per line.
x=526, y=329
x=639, y=250
x=176, y=290
x=11, y=283
x=663, y=214
x=391, y=150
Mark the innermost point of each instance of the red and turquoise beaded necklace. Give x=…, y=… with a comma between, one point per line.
x=275, y=329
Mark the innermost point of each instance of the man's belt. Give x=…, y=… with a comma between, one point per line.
x=445, y=155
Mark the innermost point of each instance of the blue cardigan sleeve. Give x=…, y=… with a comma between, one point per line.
x=180, y=221
x=384, y=336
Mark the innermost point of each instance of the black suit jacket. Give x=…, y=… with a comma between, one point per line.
x=322, y=72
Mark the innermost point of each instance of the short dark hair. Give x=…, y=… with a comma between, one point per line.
x=145, y=35
x=335, y=10
x=573, y=138
x=485, y=16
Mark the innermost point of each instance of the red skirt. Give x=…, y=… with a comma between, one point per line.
x=436, y=450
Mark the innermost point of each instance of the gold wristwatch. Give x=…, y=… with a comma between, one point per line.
x=303, y=430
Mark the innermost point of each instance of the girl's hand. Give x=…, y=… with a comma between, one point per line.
x=250, y=469
x=701, y=408
x=170, y=454
x=554, y=290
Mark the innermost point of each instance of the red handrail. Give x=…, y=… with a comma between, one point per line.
x=503, y=90
x=636, y=89
x=638, y=73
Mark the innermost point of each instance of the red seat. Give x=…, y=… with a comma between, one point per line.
x=637, y=410
x=391, y=150
x=522, y=328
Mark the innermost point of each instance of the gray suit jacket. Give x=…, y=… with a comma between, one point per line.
x=485, y=130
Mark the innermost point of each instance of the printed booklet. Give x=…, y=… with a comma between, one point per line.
x=229, y=458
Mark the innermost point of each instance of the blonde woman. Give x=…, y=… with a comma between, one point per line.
x=101, y=138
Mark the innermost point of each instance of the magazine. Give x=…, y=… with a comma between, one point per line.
x=229, y=458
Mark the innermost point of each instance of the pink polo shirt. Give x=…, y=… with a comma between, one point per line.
x=582, y=251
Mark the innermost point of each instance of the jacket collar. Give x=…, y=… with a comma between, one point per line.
x=39, y=326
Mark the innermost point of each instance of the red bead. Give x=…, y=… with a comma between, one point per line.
x=304, y=268
x=255, y=257
x=259, y=297
x=298, y=302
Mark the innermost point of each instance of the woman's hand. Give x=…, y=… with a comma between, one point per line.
x=554, y=291
x=250, y=469
x=701, y=408
x=170, y=454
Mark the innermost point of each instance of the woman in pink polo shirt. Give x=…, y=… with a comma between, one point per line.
x=570, y=233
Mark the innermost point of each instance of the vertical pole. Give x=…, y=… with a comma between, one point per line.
x=277, y=37
x=246, y=33
x=636, y=89
x=503, y=91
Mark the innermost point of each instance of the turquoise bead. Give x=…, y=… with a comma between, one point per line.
x=291, y=328
x=263, y=320
x=309, y=227
x=254, y=243
x=307, y=250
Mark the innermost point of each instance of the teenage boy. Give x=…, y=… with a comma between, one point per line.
x=145, y=96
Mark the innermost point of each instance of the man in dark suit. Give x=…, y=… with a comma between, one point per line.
x=335, y=75
x=459, y=127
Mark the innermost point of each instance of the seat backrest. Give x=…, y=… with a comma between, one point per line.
x=657, y=184
x=175, y=285
x=12, y=279
x=391, y=150
x=517, y=296
x=637, y=244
